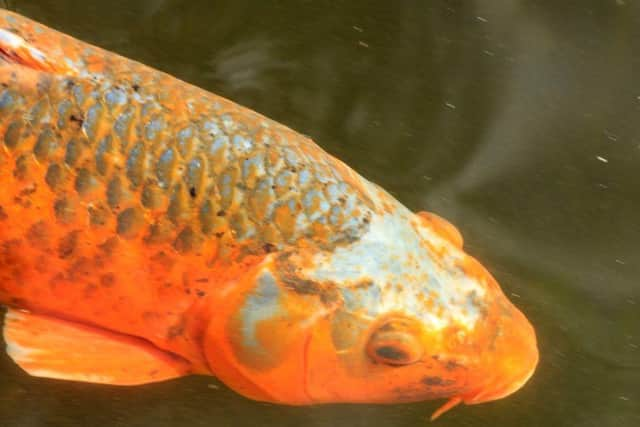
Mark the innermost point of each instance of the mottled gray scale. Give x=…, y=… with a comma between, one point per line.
x=63, y=113
x=284, y=182
x=153, y=127
x=211, y=128
x=253, y=169
x=165, y=168
x=85, y=182
x=324, y=174
x=261, y=203
x=219, y=154
x=148, y=108
x=64, y=210
x=335, y=191
x=336, y=215
x=78, y=94
x=178, y=210
x=275, y=163
x=207, y=215
x=12, y=134
x=55, y=176
x=185, y=141
x=115, y=192
x=242, y=225
x=39, y=113
x=152, y=197
x=103, y=154
x=9, y=99
x=130, y=222
x=242, y=146
x=194, y=176
x=227, y=187
x=115, y=97
x=122, y=126
x=73, y=152
x=229, y=125
x=315, y=205
x=98, y=214
x=46, y=145
x=186, y=241
x=135, y=164
x=91, y=120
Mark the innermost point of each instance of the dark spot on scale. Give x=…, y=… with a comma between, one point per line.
x=90, y=290
x=175, y=330
x=109, y=246
x=68, y=244
x=192, y=192
x=436, y=381
x=163, y=260
x=76, y=119
x=202, y=280
x=80, y=270
x=219, y=234
x=3, y=214
x=38, y=235
x=200, y=293
x=451, y=365
x=135, y=87
x=64, y=210
x=107, y=280
x=269, y=247
x=221, y=213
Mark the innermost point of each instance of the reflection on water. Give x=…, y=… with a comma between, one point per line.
x=516, y=120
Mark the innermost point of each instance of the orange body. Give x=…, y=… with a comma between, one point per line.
x=154, y=215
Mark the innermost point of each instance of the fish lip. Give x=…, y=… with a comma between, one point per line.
x=499, y=389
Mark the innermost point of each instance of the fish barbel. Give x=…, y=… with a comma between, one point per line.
x=150, y=229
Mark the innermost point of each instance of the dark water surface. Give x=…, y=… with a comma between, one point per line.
x=517, y=120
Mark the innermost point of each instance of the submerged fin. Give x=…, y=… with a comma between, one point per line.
x=48, y=347
x=16, y=49
x=444, y=228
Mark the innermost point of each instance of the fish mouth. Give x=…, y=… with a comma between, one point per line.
x=504, y=385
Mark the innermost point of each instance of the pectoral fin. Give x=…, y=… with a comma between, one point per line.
x=48, y=347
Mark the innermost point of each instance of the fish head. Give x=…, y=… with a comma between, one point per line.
x=400, y=314
x=419, y=319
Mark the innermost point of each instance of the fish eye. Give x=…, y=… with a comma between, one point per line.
x=395, y=343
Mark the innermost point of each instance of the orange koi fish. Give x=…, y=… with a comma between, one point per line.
x=150, y=230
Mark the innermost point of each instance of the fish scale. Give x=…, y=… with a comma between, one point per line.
x=102, y=137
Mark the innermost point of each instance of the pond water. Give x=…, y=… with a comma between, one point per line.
x=518, y=121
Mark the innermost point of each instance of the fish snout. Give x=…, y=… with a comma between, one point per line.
x=511, y=359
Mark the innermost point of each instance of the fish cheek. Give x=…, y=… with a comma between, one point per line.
x=268, y=324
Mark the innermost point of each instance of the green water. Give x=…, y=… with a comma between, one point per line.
x=517, y=120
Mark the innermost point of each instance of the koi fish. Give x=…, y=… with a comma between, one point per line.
x=150, y=230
